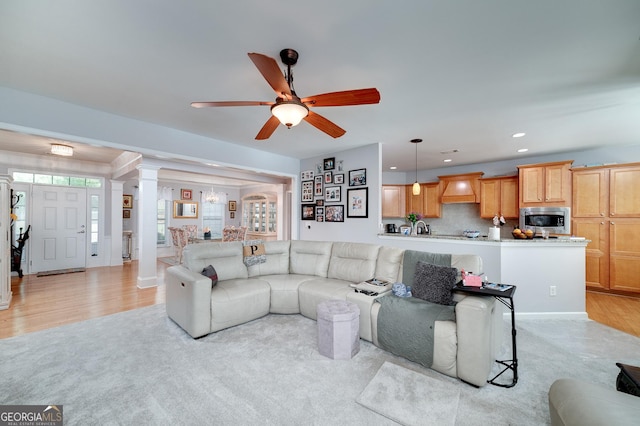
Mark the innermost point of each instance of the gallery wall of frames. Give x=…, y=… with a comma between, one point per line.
x=330, y=193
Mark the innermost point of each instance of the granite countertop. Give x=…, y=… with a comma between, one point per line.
x=483, y=238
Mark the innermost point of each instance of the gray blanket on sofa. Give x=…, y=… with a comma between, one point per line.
x=405, y=326
x=411, y=259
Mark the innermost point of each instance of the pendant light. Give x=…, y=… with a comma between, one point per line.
x=416, y=185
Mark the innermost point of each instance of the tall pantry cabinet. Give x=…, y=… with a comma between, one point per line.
x=606, y=210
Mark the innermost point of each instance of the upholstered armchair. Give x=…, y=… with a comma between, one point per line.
x=180, y=240
x=231, y=233
x=192, y=231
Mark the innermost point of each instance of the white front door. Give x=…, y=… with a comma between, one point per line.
x=59, y=232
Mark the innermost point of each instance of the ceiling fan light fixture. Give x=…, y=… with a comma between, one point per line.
x=64, y=150
x=290, y=113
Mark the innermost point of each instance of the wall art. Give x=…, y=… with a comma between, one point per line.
x=358, y=177
x=357, y=202
x=307, y=191
x=330, y=163
x=332, y=194
x=308, y=212
x=334, y=213
x=186, y=194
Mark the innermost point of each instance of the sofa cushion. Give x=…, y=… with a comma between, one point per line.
x=310, y=257
x=284, y=292
x=433, y=283
x=314, y=291
x=276, y=259
x=354, y=262
x=226, y=258
x=238, y=301
x=389, y=264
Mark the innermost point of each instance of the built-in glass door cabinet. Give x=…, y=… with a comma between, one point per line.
x=259, y=215
x=5, y=242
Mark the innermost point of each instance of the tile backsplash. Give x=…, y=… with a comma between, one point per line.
x=456, y=218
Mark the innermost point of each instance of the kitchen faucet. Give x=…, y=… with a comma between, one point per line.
x=426, y=227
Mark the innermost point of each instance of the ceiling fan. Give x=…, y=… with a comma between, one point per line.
x=288, y=108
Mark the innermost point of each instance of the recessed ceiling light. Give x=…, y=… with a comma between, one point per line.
x=518, y=135
x=448, y=160
x=393, y=167
x=523, y=150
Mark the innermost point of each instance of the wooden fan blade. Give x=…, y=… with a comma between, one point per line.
x=345, y=98
x=229, y=103
x=269, y=127
x=270, y=70
x=321, y=123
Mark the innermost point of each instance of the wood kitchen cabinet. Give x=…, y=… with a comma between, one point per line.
x=606, y=211
x=427, y=203
x=393, y=200
x=545, y=185
x=499, y=196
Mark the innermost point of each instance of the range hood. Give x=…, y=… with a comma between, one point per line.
x=463, y=188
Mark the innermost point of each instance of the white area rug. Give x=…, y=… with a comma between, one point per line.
x=411, y=398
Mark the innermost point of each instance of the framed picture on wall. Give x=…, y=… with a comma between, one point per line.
x=232, y=206
x=330, y=163
x=186, y=194
x=308, y=212
x=334, y=213
x=306, y=175
x=317, y=186
x=338, y=179
x=332, y=194
x=126, y=214
x=358, y=177
x=307, y=191
x=357, y=202
x=127, y=201
x=232, y=215
x=328, y=177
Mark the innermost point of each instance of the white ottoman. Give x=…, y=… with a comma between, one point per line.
x=338, y=333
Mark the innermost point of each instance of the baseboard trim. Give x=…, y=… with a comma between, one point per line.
x=549, y=315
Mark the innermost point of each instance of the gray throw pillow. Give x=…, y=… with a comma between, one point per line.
x=210, y=272
x=433, y=283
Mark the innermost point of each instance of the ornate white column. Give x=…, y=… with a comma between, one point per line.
x=147, y=212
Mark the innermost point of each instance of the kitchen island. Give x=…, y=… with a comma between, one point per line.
x=549, y=273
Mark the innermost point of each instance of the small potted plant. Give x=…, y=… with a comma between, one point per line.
x=413, y=218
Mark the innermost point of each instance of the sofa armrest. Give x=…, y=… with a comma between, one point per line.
x=476, y=340
x=188, y=300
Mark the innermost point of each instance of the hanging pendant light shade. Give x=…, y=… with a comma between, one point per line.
x=416, y=186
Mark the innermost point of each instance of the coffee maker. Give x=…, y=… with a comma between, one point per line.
x=391, y=228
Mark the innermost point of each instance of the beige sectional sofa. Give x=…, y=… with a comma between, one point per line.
x=297, y=275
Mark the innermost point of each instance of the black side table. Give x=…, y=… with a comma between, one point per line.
x=506, y=298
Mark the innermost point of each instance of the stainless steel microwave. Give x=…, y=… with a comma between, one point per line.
x=556, y=220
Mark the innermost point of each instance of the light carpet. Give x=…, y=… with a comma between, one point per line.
x=138, y=367
x=411, y=398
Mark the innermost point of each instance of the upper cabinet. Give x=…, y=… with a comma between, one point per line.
x=427, y=203
x=547, y=184
x=393, y=200
x=499, y=196
x=623, y=197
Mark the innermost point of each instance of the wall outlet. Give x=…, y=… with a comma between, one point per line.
x=552, y=290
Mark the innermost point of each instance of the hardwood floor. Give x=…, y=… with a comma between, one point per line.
x=44, y=302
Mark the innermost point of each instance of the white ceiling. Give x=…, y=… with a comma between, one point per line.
x=460, y=74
